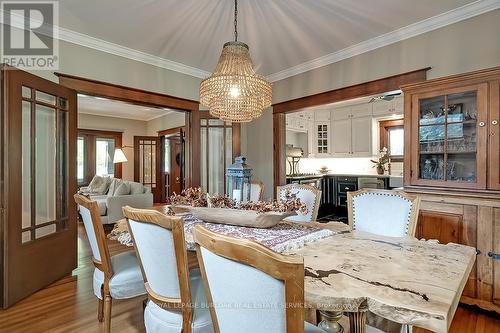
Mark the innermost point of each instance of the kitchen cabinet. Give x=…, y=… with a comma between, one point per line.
x=341, y=137
x=322, y=133
x=383, y=108
x=352, y=131
x=452, y=136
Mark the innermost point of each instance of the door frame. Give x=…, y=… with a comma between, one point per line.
x=157, y=191
x=161, y=135
x=280, y=110
x=147, y=98
x=236, y=141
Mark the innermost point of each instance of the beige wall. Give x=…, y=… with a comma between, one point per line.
x=462, y=47
x=170, y=120
x=129, y=127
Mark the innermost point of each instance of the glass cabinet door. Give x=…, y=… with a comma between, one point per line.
x=451, y=149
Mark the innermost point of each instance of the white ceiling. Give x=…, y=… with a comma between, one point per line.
x=111, y=108
x=281, y=33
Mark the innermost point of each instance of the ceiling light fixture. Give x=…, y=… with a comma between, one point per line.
x=235, y=92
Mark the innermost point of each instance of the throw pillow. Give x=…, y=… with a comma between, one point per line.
x=122, y=189
x=113, y=186
x=99, y=185
x=136, y=188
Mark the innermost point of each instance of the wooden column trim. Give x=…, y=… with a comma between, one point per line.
x=279, y=140
x=358, y=90
x=126, y=94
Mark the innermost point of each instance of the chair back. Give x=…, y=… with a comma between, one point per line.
x=308, y=195
x=161, y=251
x=256, y=191
x=89, y=212
x=248, y=285
x=383, y=212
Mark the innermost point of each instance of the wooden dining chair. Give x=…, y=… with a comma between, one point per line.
x=176, y=296
x=250, y=288
x=383, y=212
x=115, y=277
x=308, y=195
x=256, y=190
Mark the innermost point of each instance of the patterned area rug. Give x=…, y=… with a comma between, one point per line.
x=284, y=237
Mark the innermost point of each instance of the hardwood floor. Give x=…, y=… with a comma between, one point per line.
x=69, y=305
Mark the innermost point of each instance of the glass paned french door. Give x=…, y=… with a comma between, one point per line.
x=44, y=170
x=219, y=146
x=38, y=179
x=147, y=163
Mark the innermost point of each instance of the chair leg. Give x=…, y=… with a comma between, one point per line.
x=107, y=313
x=100, y=310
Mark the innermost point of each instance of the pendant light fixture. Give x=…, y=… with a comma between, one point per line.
x=234, y=92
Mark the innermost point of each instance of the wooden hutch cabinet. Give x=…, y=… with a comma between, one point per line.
x=452, y=136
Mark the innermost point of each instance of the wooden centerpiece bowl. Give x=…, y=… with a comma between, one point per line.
x=237, y=217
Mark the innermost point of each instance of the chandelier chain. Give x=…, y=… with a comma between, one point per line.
x=235, y=20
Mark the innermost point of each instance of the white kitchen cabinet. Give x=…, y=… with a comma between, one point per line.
x=361, y=134
x=322, y=140
x=341, y=137
x=352, y=131
x=388, y=108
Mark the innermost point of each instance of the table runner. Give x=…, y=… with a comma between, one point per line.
x=283, y=237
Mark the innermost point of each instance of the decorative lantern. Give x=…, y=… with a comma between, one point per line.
x=238, y=180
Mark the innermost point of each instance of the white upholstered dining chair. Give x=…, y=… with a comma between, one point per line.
x=115, y=277
x=250, y=288
x=383, y=212
x=307, y=194
x=387, y=213
x=256, y=190
x=177, y=300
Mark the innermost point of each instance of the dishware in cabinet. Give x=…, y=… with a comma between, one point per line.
x=449, y=137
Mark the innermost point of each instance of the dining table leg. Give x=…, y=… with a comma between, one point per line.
x=330, y=321
x=357, y=320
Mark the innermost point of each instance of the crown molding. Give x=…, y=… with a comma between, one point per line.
x=115, y=49
x=453, y=16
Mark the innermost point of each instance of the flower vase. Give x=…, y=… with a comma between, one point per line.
x=380, y=170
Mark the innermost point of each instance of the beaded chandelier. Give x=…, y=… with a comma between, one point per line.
x=234, y=92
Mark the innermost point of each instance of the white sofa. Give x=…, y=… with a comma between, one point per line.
x=110, y=197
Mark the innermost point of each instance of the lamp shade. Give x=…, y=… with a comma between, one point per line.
x=119, y=156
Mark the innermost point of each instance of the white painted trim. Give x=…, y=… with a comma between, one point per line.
x=453, y=16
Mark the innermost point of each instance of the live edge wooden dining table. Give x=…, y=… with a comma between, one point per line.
x=405, y=280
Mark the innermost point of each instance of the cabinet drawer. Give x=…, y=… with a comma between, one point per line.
x=347, y=179
x=346, y=187
x=342, y=200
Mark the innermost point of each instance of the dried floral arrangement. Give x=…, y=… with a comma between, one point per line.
x=197, y=198
x=192, y=196
x=220, y=201
x=290, y=204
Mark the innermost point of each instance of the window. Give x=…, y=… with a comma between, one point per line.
x=80, y=159
x=95, y=153
x=104, y=153
x=392, y=137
